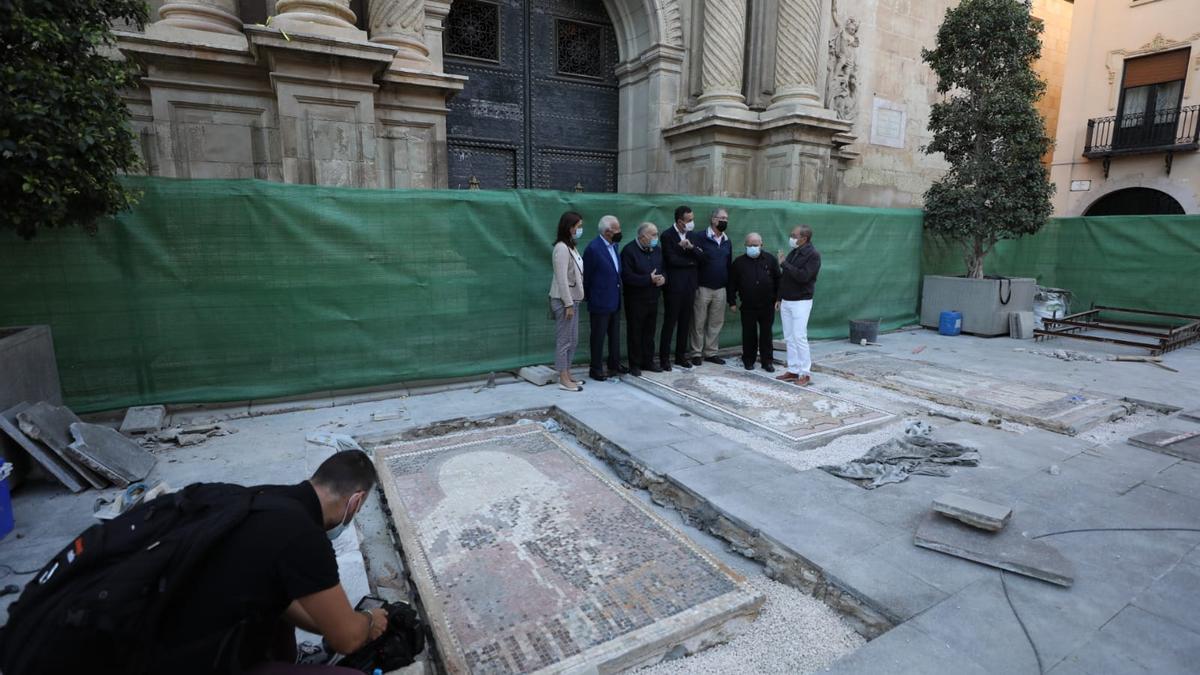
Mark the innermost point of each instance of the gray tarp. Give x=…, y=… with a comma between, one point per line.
x=897, y=459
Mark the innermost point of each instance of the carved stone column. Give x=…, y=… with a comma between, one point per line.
x=723, y=52
x=797, y=54
x=331, y=18
x=401, y=24
x=215, y=16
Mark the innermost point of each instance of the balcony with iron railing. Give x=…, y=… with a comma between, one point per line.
x=1168, y=131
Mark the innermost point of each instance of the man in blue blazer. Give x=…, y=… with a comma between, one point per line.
x=602, y=287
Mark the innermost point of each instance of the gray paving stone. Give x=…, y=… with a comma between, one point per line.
x=1182, y=478
x=711, y=448
x=51, y=425
x=1117, y=467
x=822, y=531
x=538, y=375
x=108, y=453
x=663, y=459
x=740, y=473
x=1191, y=415
x=1007, y=549
x=1135, y=641
x=906, y=650
x=888, y=588
x=143, y=419
x=949, y=574
x=974, y=512
x=1175, y=596
x=51, y=462
x=1181, y=443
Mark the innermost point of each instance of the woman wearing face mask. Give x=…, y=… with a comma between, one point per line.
x=566, y=292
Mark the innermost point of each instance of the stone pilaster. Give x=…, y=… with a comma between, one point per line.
x=401, y=24
x=797, y=54
x=724, y=47
x=328, y=18
x=212, y=23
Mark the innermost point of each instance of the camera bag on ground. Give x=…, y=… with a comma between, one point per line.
x=399, y=645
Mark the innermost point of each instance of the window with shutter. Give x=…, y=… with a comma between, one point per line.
x=1151, y=91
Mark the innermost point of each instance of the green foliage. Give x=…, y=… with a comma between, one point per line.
x=64, y=130
x=987, y=128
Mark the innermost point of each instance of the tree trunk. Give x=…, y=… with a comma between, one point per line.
x=974, y=259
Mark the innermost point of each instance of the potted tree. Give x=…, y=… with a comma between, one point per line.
x=990, y=132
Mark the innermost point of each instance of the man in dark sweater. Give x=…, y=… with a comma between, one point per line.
x=754, y=279
x=799, y=276
x=681, y=255
x=709, y=307
x=642, y=279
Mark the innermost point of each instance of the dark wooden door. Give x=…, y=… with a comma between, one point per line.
x=540, y=107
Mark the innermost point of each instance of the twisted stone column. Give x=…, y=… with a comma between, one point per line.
x=723, y=51
x=331, y=18
x=214, y=16
x=401, y=24
x=797, y=53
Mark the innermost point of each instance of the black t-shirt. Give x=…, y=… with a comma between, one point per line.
x=275, y=556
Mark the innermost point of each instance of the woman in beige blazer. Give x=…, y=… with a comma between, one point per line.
x=566, y=292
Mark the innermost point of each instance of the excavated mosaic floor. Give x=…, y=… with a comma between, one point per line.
x=759, y=403
x=528, y=560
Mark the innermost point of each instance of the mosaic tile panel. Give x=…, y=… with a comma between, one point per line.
x=1038, y=404
x=790, y=411
x=528, y=560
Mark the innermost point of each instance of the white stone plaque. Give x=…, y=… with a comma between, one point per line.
x=1081, y=185
x=888, y=120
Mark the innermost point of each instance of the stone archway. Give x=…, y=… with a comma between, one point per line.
x=1134, y=201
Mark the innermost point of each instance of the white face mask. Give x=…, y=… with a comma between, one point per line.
x=341, y=527
x=792, y=242
x=753, y=251
x=689, y=226
x=578, y=232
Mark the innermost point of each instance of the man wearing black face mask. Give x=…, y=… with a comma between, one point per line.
x=708, y=309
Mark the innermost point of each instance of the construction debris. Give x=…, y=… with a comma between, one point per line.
x=1182, y=444
x=143, y=419
x=56, y=466
x=973, y=512
x=539, y=375
x=187, y=435
x=51, y=425
x=1062, y=354
x=109, y=454
x=1007, y=550
x=338, y=442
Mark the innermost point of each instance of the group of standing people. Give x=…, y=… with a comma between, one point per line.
x=697, y=277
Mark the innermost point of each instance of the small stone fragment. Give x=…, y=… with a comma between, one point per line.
x=190, y=439
x=974, y=512
x=143, y=419
x=539, y=375
x=1054, y=470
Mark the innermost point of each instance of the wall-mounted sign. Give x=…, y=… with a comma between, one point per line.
x=887, y=123
x=1081, y=185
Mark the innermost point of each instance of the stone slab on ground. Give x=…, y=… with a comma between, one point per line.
x=539, y=375
x=1182, y=444
x=51, y=425
x=143, y=419
x=761, y=404
x=1193, y=415
x=1042, y=405
x=1007, y=550
x=47, y=459
x=974, y=512
x=110, y=454
x=592, y=580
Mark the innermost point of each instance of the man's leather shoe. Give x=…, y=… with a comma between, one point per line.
x=716, y=359
x=599, y=377
x=803, y=381
x=768, y=367
x=748, y=366
x=622, y=370
x=636, y=372
x=683, y=363
x=665, y=365
x=787, y=376
x=652, y=368
x=696, y=360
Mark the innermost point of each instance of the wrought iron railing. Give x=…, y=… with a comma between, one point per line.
x=1163, y=130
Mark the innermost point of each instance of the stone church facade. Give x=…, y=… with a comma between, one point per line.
x=810, y=100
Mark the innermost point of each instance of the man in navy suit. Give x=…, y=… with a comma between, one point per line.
x=602, y=287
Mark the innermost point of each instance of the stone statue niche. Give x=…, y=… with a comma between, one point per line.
x=841, y=84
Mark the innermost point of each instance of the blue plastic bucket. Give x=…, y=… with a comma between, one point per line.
x=6, y=510
x=950, y=323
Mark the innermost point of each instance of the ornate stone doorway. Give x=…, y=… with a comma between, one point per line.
x=540, y=108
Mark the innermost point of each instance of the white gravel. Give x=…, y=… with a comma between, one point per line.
x=795, y=633
x=839, y=450
x=1119, y=430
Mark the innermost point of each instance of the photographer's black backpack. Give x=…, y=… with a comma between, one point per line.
x=96, y=607
x=399, y=646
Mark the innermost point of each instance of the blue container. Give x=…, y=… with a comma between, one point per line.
x=6, y=510
x=950, y=323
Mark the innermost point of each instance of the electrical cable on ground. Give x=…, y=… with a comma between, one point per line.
x=15, y=572
x=1004, y=584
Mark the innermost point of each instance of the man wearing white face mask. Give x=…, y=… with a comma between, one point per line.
x=799, y=277
x=753, y=287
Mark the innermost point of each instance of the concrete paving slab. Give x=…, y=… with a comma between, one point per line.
x=1042, y=405
x=1191, y=415
x=740, y=473
x=143, y=419
x=110, y=454
x=1175, y=596
x=906, y=650
x=760, y=404
x=593, y=581
x=893, y=591
x=948, y=574
x=711, y=448
x=974, y=512
x=54, y=465
x=663, y=459
x=1116, y=468
x=1181, y=443
x=51, y=425
x=1135, y=641
x=1181, y=478
x=538, y=375
x=1007, y=550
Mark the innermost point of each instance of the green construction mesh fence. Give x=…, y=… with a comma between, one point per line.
x=233, y=290
x=1146, y=262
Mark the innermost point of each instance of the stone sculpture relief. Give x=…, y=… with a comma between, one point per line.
x=841, y=85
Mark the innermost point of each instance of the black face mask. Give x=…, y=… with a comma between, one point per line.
x=616, y=237
x=721, y=225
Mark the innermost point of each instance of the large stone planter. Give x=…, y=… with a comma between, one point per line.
x=28, y=372
x=981, y=301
